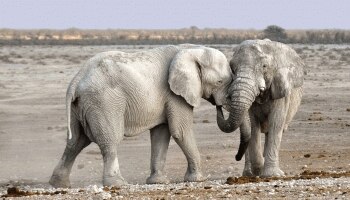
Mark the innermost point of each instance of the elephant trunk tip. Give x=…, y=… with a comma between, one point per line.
x=245, y=138
x=239, y=156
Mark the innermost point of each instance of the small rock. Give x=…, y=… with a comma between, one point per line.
x=206, y=121
x=94, y=189
x=207, y=187
x=104, y=195
x=307, y=155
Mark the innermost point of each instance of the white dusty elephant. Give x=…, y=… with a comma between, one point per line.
x=264, y=97
x=119, y=94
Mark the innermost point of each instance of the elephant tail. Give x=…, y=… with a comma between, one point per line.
x=70, y=98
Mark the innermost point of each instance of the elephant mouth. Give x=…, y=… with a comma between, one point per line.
x=226, y=107
x=211, y=99
x=262, y=98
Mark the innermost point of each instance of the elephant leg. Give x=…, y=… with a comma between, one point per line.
x=160, y=137
x=271, y=165
x=189, y=148
x=276, y=125
x=180, y=119
x=60, y=176
x=247, y=171
x=264, y=129
x=265, y=144
x=107, y=129
x=255, y=153
x=111, y=171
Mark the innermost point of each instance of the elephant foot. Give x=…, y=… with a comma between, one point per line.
x=272, y=172
x=247, y=173
x=114, y=181
x=256, y=171
x=194, y=177
x=59, y=182
x=157, y=179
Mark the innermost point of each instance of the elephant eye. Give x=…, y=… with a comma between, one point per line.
x=219, y=83
x=264, y=66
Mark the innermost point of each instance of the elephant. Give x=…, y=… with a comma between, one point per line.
x=263, y=98
x=117, y=94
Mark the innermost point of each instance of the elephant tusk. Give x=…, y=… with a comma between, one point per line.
x=262, y=89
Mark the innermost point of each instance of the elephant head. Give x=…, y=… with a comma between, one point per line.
x=263, y=70
x=200, y=72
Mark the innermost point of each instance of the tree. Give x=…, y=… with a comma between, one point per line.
x=275, y=33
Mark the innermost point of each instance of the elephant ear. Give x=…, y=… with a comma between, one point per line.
x=289, y=74
x=185, y=75
x=233, y=66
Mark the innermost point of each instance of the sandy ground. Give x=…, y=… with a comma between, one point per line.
x=33, y=82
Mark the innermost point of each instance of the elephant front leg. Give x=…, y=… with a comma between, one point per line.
x=271, y=165
x=188, y=145
x=180, y=120
x=160, y=138
x=274, y=136
x=246, y=129
x=255, y=154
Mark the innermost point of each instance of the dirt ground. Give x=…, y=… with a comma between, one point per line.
x=33, y=82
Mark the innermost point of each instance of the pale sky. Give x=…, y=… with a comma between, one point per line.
x=165, y=14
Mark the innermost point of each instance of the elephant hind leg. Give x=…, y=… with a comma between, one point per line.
x=247, y=171
x=107, y=129
x=111, y=171
x=160, y=137
x=60, y=176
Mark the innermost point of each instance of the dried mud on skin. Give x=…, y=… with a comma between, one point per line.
x=307, y=174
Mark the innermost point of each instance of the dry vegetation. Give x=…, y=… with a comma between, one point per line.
x=193, y=34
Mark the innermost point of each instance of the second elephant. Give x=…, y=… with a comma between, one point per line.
x=264, y=97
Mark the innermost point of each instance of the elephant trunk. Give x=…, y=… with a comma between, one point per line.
x=242, y=95
x=232, y=122
x=245, y=130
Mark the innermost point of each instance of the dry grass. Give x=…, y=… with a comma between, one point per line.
x=186, y=35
